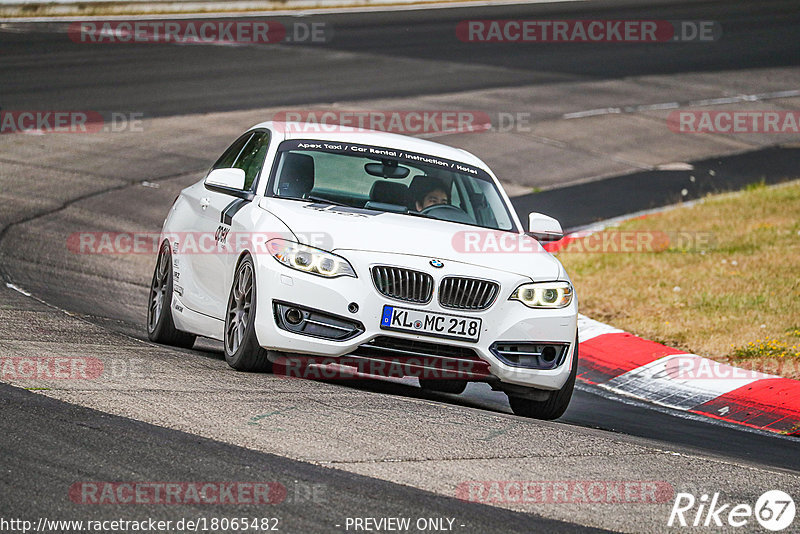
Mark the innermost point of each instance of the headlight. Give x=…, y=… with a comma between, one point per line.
x=309, y=259
x=544, y=294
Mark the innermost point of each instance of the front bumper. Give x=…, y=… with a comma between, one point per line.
x=505, y=321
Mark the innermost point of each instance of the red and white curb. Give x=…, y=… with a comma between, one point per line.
x=628, y=365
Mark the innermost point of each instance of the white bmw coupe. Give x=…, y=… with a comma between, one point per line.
x=362, y=246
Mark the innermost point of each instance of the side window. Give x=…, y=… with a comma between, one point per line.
x=228, y=158
x=252, y=157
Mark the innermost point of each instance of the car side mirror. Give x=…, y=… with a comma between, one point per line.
x=544, y=228
x=228, y=178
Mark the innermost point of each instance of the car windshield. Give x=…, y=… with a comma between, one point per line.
x=389, y=180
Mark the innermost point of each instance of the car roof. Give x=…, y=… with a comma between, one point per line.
x=297, y=130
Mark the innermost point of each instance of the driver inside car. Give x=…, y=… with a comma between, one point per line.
x=427, y=191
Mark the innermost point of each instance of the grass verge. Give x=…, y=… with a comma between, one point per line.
x=719, y=278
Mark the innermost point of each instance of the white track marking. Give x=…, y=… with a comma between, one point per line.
x=757, y=97
x=17, y=289
x=299, y=12
x=589, y=328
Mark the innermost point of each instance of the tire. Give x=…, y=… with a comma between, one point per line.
x=455, y=387
x=160, y=325
x=242, y=351
x=555, y=406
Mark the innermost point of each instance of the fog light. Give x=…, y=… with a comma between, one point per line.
x=293, y=316
x=314, y=323
x=549, y=353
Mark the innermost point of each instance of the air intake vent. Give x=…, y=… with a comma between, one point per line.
x=403, y=284
x=467, y=293
x=406, y=357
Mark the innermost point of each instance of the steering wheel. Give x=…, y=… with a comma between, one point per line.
x=448, y=212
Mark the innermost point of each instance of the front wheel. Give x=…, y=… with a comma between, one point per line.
x=160, y=325
x=555, y=405
x=242, y=351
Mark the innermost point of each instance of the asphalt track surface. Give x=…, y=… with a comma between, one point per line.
x=576, y=206
x=43, y=67
x=64, y=443
x=41, y=71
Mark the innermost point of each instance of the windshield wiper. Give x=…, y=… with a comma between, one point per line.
x=417, y=214
x=317, y=199
x=326, y=200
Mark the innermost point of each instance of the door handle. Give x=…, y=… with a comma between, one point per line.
x=205, y=202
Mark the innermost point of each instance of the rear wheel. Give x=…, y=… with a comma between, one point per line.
x=555, y=405
x=443, y=386
x=160, y=326
x=242, y=351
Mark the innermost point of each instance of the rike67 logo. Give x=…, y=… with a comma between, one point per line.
x=774, y=511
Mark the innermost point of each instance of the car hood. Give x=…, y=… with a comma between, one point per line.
x=339, y=229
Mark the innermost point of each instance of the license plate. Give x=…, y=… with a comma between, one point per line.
x=430, y=323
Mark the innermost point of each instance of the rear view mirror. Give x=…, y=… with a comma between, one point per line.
x=387, y=169
x=228, y=178
x=544, y=228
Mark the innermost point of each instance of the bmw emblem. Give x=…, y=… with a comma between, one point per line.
x=437, y=264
